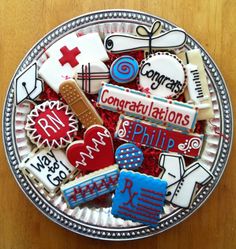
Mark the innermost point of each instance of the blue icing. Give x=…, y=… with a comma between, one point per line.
x=139, y=197
x=129, y=156
x=124, y=69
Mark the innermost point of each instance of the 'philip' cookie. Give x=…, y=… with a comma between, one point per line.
x=79, y=103
x=139, y=197
x=51, y=124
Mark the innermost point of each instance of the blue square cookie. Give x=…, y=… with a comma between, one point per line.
x=139, y=197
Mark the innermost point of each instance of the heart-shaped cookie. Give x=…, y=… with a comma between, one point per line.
x=94, y=152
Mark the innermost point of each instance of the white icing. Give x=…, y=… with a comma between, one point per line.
x=28, y=86
x=90, y=47
x=51, y=168
x=182, y=180
x=163, y=74
x=90, y=75
x=123, y=100
x=119, y=42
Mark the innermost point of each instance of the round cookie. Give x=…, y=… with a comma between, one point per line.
x=124, y=69
x=163, y=74
x=51, y=124
x=129, y=156
x=90, y=75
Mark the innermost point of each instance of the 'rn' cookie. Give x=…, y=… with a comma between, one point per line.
x=51, y=124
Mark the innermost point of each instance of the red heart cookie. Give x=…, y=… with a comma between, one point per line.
x=94, y=152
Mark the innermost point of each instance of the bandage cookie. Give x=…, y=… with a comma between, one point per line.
x=49, y=168
x=182, y=181
x=91, y=186
x=124, y=69
x=51, y=124
x=94, y=152
x=163, y=74
x=139, y=197
x=90, y=75
x=129, y=156
x=79, y=103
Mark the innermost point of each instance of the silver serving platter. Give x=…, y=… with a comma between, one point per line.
x=215, y=155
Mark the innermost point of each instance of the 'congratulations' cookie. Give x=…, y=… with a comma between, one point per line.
x=51, y=124
x=163, y=74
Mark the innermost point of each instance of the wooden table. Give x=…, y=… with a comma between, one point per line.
x=212, y=23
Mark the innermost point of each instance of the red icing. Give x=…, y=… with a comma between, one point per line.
x=52, y=124
x=94, y=152
x=69, y=56
x=91, y=188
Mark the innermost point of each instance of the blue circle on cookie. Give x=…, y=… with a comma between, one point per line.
x=124, y=69
x=129, y=156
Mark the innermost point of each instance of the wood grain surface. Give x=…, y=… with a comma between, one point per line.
x=212, y=23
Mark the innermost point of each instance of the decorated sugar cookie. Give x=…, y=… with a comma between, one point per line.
x=129, y=156
x=197, y=91
x=124, y=69
x=145, y=106
x=94, y=152
x=163, y=74
x=90, y=186
x=90, y=75
x=49, y=167
x=79, y=103
x=120, y=42
x=159, y=137
x=51, y=124
x=139, y=197
x=66, y=54
x=182, y=180
x=28, y=85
